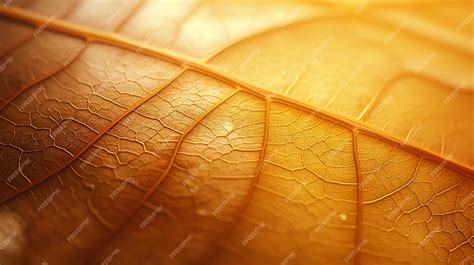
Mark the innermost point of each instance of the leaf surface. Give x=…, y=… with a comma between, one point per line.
x=208, y=133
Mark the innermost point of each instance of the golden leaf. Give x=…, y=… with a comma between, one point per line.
x=155, y=132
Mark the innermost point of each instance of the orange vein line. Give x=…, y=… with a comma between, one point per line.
x=405, y=74
x=258, y=172
x=192, y=63
x=297, y=78
x=58, y=69
x=99, y=135
x=353, y=124
x=170, y=165
x=377, y=98
x=342, y=15
x=72, y=59
x=358, y=232
x=176, y=150
x=269, y=30
x=30, y=36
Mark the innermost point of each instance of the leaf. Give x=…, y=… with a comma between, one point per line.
x=208, y=133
